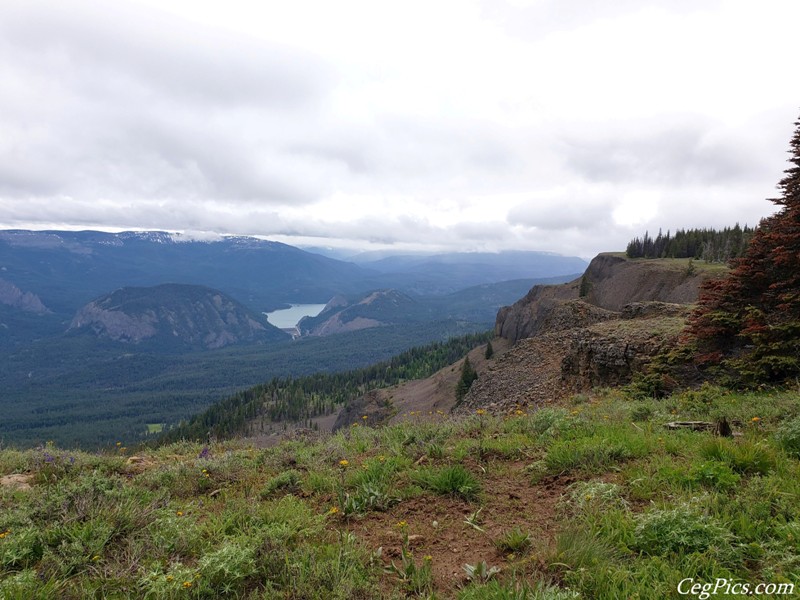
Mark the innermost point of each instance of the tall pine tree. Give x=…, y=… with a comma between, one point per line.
x=749, y=322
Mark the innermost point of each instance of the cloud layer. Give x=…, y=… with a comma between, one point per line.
x=452, y=125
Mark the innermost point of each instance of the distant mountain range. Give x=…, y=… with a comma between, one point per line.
x=476, y=304
x=97, y=326
x=56, y=273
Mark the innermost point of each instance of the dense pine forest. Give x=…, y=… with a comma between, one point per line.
x=710, y=245
x=299, y=399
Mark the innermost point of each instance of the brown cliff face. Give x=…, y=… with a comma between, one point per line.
x=599, y=330
x=610, y=282
x=527, y=317
x=615, y=281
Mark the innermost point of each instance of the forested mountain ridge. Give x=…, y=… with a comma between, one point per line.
x=373, y=309
x=173, y=315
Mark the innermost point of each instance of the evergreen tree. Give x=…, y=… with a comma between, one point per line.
x=583, y=291
x=749, y=322
x=489, y=351
x=468, y=375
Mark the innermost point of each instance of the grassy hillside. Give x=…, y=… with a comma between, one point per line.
x=591, y=499
x=679, y=264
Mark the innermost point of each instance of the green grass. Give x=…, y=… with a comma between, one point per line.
x=638, y=508
x=453, y=480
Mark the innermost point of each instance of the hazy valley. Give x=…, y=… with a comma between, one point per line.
x=105, y=336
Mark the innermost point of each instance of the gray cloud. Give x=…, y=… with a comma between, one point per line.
x=569, y=209
x=130, y=107
x=116, y=48
x=115, y=114
x=547, y=16
x=669, y=150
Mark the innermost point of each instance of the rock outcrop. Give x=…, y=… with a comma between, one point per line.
x=610, y=353
x=171, y=314
x=28, y=302
x=568, y=357
x=599, y=330
x=610, y=282
x=613, y=281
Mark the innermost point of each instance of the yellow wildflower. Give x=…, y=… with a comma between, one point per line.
x=480, y=411
x=344, y=463
x=187, y=584
x=170, y=578
x=401, y=525
x=95, y=558
x=755, y=419
x=334, y=510
x=179, y=513
x=365, y=417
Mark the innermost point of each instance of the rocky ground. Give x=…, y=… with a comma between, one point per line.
x=567, y=359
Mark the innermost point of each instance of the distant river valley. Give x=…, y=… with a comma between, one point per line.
x=289, y=317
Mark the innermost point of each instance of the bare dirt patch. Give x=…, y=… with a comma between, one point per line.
x=17, y=481
x=437, y=526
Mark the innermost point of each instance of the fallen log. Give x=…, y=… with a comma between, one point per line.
x=721, y=427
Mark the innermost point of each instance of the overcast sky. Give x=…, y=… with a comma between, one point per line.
x=560, y=125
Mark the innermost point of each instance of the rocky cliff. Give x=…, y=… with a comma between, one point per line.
x=173, y=314
x=599, y=330
x=12, y=296
x=610, y=282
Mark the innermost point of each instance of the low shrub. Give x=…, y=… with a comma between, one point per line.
x=593, y=496
x=680, y=529
x=788, y=437
x=516, y=590
x=595, y=453
x=745, y=457
x=514, y=541
x=287, y=482
x=454, y=480
x=714, y=474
